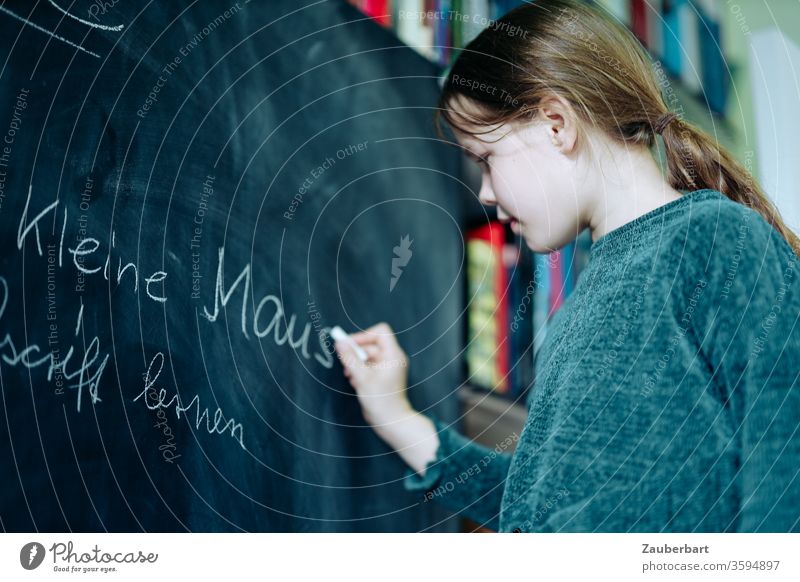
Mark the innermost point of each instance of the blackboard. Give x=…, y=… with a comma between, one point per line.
x=190, y=194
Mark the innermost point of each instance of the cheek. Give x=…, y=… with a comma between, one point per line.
x=513, y=187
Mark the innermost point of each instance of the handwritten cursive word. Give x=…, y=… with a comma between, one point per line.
x=159, y=402
x=26, y=22
x=85, y=248
x=57, y=366
x=223, y=297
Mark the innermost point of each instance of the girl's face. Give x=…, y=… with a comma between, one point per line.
x=529, y=174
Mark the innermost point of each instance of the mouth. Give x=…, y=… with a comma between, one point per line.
x=512, y=222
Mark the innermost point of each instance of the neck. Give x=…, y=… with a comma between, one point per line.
x=632, y=185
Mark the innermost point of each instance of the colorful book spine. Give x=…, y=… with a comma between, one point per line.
x=713, y=63
x=487, y=312
x=520, y=316
x=690, y=44
x=442, y=37
x=638, y=18
x=556, y=296
x=378, y=10
x=673, y=60
x=541, y=298
x=655, y=28
x=568, y=258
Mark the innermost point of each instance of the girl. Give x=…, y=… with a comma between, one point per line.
x=666, y=392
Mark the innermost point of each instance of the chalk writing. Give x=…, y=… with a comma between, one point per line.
x=86, y=378
x=27, y=22
x=85, y=248
x=115, y=28
x=158, y=402
x=223, y=297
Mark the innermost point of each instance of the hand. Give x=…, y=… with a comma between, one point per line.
x=380, y=385
x=381, y=382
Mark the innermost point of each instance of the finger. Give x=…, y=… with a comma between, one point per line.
x=345, y=353
x=376, y=330
x=374, y=352
x=363, y=339
x=380, y=334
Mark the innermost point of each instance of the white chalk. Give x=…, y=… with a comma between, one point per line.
x=340, y=335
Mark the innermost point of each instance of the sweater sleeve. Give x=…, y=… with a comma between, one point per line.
x=465, y=477
x=750, y=334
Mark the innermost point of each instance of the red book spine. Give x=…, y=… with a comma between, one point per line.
x=494, y=234
x=639, y=20
x=556, y=281
x=379, y=11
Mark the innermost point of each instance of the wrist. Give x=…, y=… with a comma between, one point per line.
x=388, y=416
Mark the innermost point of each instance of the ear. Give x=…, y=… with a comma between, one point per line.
x=560, y=122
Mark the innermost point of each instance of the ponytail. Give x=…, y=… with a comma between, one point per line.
x=695, y=161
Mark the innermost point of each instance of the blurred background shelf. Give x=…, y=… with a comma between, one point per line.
x=489, y=419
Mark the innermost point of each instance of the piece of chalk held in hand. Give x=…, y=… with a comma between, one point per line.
x=340, y=335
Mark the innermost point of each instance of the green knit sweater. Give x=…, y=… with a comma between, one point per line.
x=666, y=393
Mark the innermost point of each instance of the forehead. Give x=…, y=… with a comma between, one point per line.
x=467, y=114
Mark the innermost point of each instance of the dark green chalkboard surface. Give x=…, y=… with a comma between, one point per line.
x=190, y=194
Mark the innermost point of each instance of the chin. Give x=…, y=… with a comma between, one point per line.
x=537, y=246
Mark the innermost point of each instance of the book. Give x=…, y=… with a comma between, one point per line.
x=672, y=58
x=487, y=350
x=520, y=317
x=713, y=64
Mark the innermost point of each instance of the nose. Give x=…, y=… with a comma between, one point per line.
x=486, y=195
